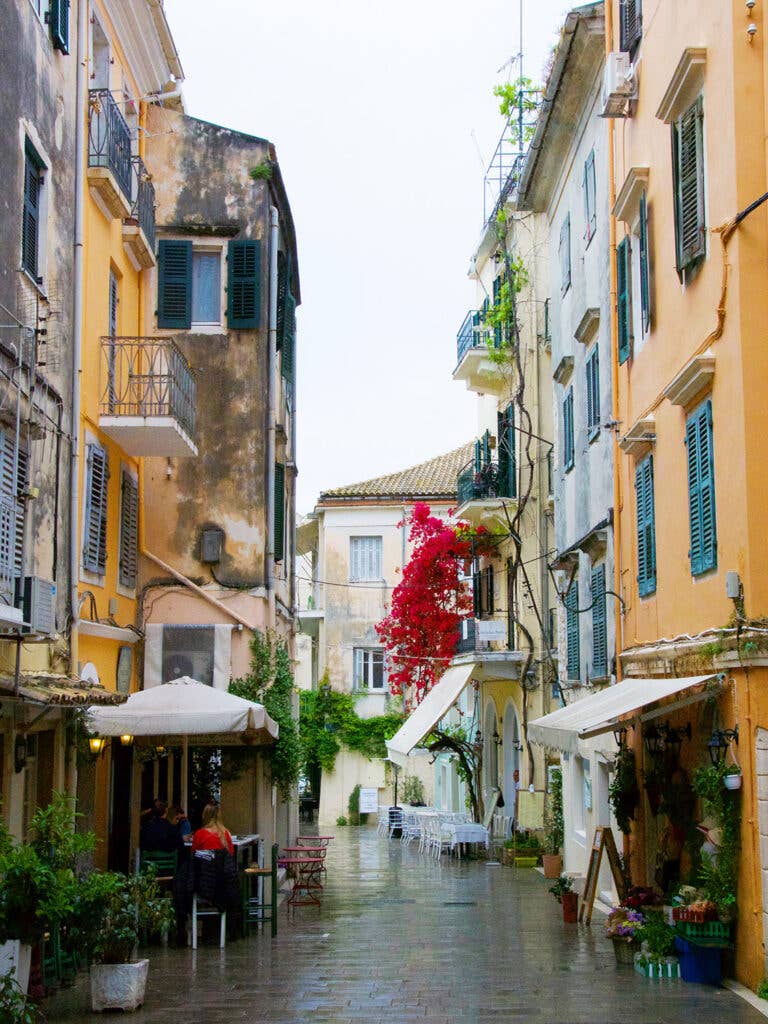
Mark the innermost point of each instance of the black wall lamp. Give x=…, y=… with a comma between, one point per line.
x=719, y=742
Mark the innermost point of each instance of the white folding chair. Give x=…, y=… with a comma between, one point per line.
x=208, y=910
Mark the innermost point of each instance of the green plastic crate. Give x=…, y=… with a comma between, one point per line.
x=657, y=971
x=526, y=862
x=713, y=931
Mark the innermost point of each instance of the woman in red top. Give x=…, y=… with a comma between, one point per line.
x=212, y=835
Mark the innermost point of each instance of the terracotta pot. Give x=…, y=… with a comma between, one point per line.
x=570, y=907
x=553, y=865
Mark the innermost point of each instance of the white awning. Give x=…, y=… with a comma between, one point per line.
x=608, y=710
x=437, y=703
x=185, y=707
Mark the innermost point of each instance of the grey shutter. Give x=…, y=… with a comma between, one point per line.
x=279, y=511
x=129, y=531
x=95, y=526
x=688, y=167
x=31, y=212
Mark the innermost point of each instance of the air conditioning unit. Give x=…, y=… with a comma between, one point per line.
x=37, y=598
x=618, y=85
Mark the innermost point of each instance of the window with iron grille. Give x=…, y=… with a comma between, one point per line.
x=30, y=224
x=630, y=25
x=129, y=530
x=95, y=516
x=369, y=671
x=365, y=559
x=688, y=175
x=593, y=393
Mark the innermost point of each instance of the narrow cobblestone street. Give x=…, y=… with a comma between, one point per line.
x=402, y=939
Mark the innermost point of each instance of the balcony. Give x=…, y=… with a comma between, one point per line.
x=474, y=363
x=139, y=228
x=109, y=154
x=485, y=642
x=482, y=493
x=148, y=397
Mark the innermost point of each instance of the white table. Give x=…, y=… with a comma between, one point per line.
x=469, y=832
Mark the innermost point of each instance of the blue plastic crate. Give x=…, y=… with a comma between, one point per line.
x=698, y=963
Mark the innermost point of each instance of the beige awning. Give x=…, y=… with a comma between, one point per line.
x=422, y=721
x=610, y=709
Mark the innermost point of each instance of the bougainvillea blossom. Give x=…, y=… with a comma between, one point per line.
x=421, y=630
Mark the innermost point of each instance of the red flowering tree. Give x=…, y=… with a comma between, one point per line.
x=422, y=628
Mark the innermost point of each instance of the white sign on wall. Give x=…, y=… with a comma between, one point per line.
x=490, y=629
x=369, y=801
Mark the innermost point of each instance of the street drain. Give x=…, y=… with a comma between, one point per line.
x=460, y=903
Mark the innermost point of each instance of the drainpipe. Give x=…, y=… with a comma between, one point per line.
x=271, y=414
x=77, y=331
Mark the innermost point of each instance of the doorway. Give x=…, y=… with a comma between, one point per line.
x=119, y=842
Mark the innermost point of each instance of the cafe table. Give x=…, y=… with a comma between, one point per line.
x=307, y=875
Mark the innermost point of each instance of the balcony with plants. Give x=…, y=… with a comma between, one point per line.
x=148, y=396
x=109, y=154
x=478, y=347
x=486, y=484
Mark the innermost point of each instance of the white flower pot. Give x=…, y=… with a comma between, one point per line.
x=732, y=781
x=118, y=986
x=17, y=956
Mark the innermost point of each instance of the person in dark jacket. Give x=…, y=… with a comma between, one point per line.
x=157, y=834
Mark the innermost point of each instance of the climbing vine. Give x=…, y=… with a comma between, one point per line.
x=270, y=682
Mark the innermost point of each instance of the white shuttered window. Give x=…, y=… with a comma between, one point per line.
x=365, y=559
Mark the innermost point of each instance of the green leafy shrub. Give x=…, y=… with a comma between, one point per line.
x=559, y=888
x=624, y=792
x=15, y=1006
x=341, y=821
x=112, y=909
x=553, y=820
x=413, y=791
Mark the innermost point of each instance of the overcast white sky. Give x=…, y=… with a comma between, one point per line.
x=377, y=112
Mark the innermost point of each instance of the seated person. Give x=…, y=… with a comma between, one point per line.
x=213, y=835
x=178, y=818
x=157, y=834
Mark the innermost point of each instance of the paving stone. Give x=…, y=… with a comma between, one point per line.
x=401, y=939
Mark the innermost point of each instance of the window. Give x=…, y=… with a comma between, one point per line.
x=482, y=592
x=368, y=669
x=279, y=511
x=630, y=25
x=95, y=516
x=565, y=255
x=568, y=430
x=593, y=393
x=590, y=197
x=701, y=490
x=646, y=527
x=243, y=284
x=206, y=287
x=507, y=480
x=599, y=624
x=572, y=630
x=31, y=214
x=688, y=176
x=624, y=298
x=365, y=556
x=129, y=530
x=58, y=23
x=189, y=651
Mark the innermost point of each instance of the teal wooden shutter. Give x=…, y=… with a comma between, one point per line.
x=568, y=446
x=623, y=306
x=288, y=353
x=129, y=531
x=565, y=255
x=478, y=456
x=645, y=275
x=174, y=285
x=486, y=448
x=688, y=174
x=572, y=631
x=58, y=22
x=701, y=490
x=477, y=595
x=507, y=455
x=96, y=495
x=283, y=291
x=646, y=527
x=599, y=624
x=279, y=511
x=244, y=284
x=30, y=223
x=593, y=390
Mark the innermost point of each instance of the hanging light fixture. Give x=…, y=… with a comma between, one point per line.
x=96, y=744
x=620, y=735
x=496, y=737
x=718, y=743
x=126, y=740
x=673, y=739
x=653, y=740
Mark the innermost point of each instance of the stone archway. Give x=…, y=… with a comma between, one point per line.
x=490, y=750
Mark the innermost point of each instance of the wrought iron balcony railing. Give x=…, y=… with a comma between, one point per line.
x=109, y=139
x=467, y=634
x=148, y=377
x=143, y=199
x=492, y=480
x=470, y=334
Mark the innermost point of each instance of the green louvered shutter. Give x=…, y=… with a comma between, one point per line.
x=244, y=284
x=701, y=490
x=129, y=531
x=288, y=352
x=507, y=455
x=96, y=495
x=593, y=391
x=572, y=631
x=58, y=22
x=645, y=274
x=568, y=445
x=623, y=306
x=599, y=624
x=283, y=292
x=174, y=285
x=478, y=456
x=30, y=223
x=477, y=595
x=590, y=196
x=646, y=527
x=486, y=448
x=688, y=173
x=279, y=511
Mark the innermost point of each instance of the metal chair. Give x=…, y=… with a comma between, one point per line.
x=257, y=910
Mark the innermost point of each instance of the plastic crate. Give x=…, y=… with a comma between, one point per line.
x=698, y=963
x=526, y=862
x=714, y=931
x=670, y=970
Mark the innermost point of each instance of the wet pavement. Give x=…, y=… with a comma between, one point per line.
x=403, y=940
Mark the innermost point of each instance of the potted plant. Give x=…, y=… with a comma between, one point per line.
x=657, y=943
x=523, y=849
x=112, y=910
x=564, y=893
x=552, y=859
x=624, y=793
x=732, y=778
x=622, y=928
x=17, y=1007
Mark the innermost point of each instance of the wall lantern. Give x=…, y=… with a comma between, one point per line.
x=96, y=744
x=160, y=750
x=620, y=735
x=126, y=740
x=496, y=737
x=673, y=739
x=20, y=752
x=653, y=740
x=719, y=742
